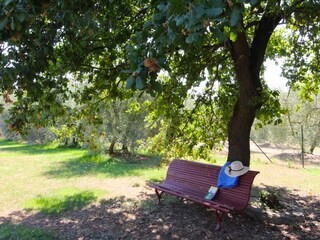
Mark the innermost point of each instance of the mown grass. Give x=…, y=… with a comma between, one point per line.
x=28, y=171
x=102, y=167
x=63, y=200
x=53, y=180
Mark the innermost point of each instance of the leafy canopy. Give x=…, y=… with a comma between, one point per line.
x=92, y=50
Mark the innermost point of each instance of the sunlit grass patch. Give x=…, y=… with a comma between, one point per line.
x=27, y=171
x=15, y=149
x=63, y=200
x=311, y=171
x=103, y=166
x=10, y=231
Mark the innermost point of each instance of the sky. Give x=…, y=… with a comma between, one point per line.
x=273, y=78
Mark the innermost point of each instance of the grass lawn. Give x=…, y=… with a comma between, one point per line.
x=31, y=172
x=53, y=181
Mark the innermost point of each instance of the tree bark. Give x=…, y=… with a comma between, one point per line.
x=125, y=149
x=66, y=141
x=74, y=141
x=248, y=61
x=111, y=147
x=315, y=139
x=244, y=111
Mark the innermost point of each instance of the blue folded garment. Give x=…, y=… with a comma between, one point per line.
x=225, y=181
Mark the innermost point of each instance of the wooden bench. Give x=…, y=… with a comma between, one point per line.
x=191, y=180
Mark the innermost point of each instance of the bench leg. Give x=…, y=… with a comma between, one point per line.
x=219, y=216
x=159, y=195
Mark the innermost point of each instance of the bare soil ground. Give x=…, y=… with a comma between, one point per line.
x=286, y=154
x=132, y=213
x=140, y=218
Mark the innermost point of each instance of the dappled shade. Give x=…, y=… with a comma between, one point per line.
x=123, y=218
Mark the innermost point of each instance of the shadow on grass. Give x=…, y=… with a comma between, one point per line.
x=123, y=218
x=10, y=231
x=101, y=166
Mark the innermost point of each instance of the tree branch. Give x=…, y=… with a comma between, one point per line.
x=266, y=27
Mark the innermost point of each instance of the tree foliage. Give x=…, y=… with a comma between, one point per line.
x=298, y=113
x=110, y=46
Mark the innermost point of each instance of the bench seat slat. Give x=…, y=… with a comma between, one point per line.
x=191, y=195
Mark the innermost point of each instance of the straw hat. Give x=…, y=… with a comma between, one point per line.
x=236, y=169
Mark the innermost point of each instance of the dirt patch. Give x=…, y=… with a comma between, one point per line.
x=286, y=154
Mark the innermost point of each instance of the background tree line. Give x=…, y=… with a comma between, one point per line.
x=132, y=124
x=298, y=113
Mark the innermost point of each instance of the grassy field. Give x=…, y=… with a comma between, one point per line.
x=29, y=173
x=55, y=180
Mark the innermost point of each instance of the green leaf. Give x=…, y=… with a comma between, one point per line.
x=127, y=71
x=21, y=17
x=8, y=2
x=235, y=15
x=180, y=20
x=199, y=11
x=152, y=94
x=140, y=83
x=218, y=3
x=162, y=7
x=158, y=17
x=3, y=23
x=254, y=2
x=233, y=36
x=130, y=81
x=156, y=86
x=219, y=35
x=12, y=25
x=161, y=60
x=193, y=37
x=214, y=12
x=177, y=6
x=147, y=24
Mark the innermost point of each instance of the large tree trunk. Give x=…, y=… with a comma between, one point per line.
x=111, y=147
x=125, y=149
x=244, y=111
x=248, y=61
x=239, y=132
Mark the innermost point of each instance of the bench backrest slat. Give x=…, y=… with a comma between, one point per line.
x=198, y=177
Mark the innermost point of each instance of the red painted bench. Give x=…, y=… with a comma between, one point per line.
x=191, y=180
